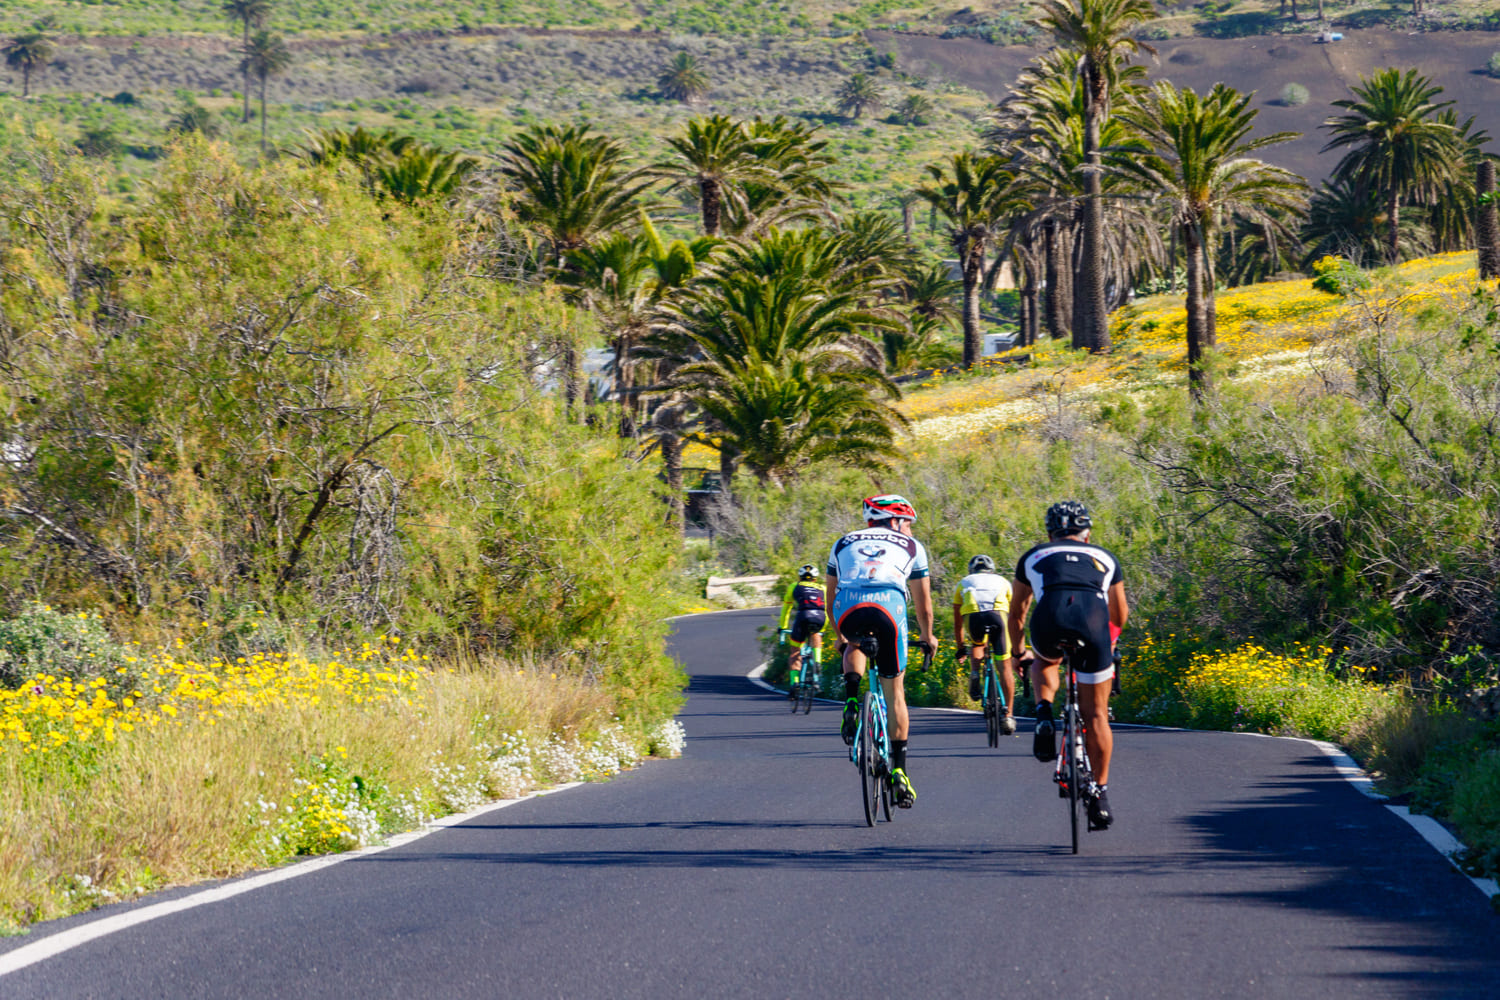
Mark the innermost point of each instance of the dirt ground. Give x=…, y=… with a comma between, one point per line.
x=1265, y=65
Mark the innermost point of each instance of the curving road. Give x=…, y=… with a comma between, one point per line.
x=1238, y=867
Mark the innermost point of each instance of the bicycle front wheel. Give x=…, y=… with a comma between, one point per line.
x=869, y=778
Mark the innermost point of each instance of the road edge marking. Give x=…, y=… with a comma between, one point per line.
x=55, y=944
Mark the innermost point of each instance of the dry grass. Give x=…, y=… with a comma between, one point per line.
x=96, y=822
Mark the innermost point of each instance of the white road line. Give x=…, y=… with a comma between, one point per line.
x=56, y=944
x=1428, y=828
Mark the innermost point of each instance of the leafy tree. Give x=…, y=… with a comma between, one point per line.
x=1344, y=219
x=970, y=192
x=101, y=143
x=1099, y=36
x=248, y=14
x=1397, y=142
x=30, y=51
x=683, y=79
x=358, y=146
x=858, y=94
x=1199, y=162
x=424, y=174
x=790, y=185
x=265, y=56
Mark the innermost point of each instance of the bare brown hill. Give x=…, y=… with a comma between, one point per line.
x=1265, y=65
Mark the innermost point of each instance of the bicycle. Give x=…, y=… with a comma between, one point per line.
x=810, y=685
x=993, y=697
x=1073, y=773
x=871, y=749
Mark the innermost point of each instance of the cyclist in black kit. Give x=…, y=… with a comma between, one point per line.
x=1079, y=593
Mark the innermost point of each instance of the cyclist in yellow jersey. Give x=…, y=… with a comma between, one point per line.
x=802, y=620
x=981, y=602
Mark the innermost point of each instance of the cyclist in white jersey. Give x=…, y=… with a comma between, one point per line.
x=869, y=572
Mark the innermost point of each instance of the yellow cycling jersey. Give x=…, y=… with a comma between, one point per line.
x=982, y=592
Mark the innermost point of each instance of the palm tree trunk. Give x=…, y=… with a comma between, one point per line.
x=1053, y=302
x=973, y=264
x=245, y=47
x=25, y=80
x=1393, y=214
x=1487, y=226
x=729, y=460
x=1094, y=335
x=908, y=219
x=1199, y=322
x=708, y=191
x=263, y=115
x=1028, y=306
x=671, y=457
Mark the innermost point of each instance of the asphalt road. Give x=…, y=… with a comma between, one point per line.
x=1238, y=867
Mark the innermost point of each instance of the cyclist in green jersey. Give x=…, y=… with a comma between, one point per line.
x=802, y=620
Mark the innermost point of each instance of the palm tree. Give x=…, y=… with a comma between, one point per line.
x=1098, y=35
x=248, y=14
x=571, y=187
x=1487, y=223
x=266, y=55
x=789, y=186
x=1200, y=164
x=1398, y=144
x=1450, y=217
x=30, y=51
x=973, y=201
x=1344, y=219
x=682, y=79
x=423, y=174
x=914, y=110
x=858, y=94
x=358, y=146
x=716, y=154
x=193, y=117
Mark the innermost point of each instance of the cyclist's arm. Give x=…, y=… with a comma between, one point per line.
x=786, y=608
x=958, y=620
x=1020, y=603
x=830, y=590
x=1119, y=608
x=921, y=593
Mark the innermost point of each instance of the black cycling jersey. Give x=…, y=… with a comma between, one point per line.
x=806, y=597
x=1068, y=565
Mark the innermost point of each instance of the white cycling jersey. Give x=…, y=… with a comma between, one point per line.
x=983, y=592
x=877, y=559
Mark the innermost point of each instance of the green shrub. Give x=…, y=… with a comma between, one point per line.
x=42, y=639
x=1293, y=95
x=1492, y=66
x=1338, y=276
x=1476, y=812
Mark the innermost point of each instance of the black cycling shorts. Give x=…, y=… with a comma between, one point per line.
x=991, y=623
x=869, y=619
x=807, y=624
x=1064, y=617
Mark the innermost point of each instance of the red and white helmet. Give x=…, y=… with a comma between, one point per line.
x=887, y=506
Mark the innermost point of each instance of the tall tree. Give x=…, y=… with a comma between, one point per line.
x=682, y=79
x=1098, y=35
x=715, y=154
x=1397, y=142
x=571, y=186
x=248, y=14
x=30, y=51
x=970, y=193
x=790, y=186
x=1487, y=225
x=1200, y=163
x=266, y=55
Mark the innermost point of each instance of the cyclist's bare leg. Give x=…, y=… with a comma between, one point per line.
x=1044, y=679
x=1008, y=685
x=854, y=660
x=817, y=644
x=794, y=665
x=1093, y=702
x=895, y=698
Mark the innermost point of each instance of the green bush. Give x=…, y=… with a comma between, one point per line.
x=1476, y=810
x=1293, y=95
x=1338, y=276
x=43, y=640
x=1492, y=66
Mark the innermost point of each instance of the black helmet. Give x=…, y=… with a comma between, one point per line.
x=1068, y=517
x=981, y=564
x=808, y=572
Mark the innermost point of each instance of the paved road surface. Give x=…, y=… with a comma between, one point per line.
x=1239, y=867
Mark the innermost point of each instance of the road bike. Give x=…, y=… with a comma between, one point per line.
x=810, y=685
x=1073, y=773
x=992, y=698
x=871, y=749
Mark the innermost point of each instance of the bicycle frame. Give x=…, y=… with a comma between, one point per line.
x=993, y=696
x=1073, y=770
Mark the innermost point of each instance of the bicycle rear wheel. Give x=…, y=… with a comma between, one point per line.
x=991, y=702
x=1073, y=769
x=870, y=781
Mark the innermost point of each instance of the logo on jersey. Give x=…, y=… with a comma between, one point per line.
x=871, y=554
